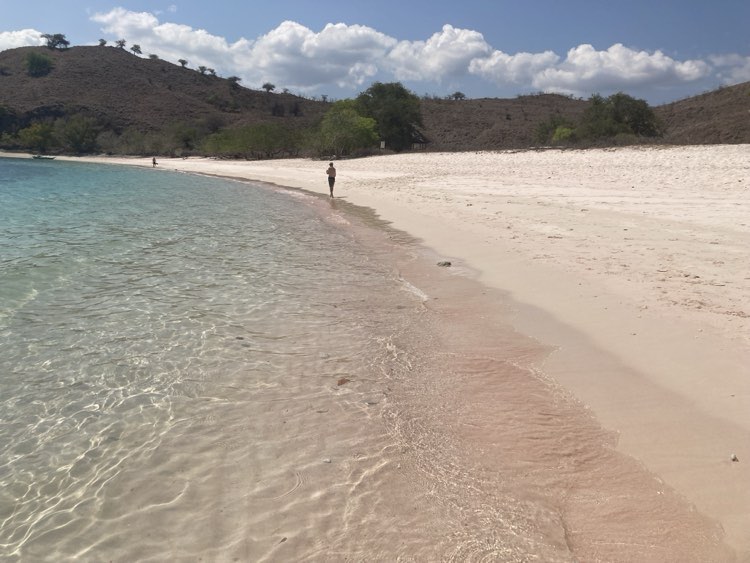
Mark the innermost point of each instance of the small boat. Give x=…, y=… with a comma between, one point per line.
x=43, y=157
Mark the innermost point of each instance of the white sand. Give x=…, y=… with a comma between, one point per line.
x=634, y=263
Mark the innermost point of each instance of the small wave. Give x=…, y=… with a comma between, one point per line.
x=337, y=219
x=22, y=301
x=411, y=288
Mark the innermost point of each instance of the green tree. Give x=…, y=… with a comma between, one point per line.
x=184, y=135
x=234, y=81
x=457, y=96
x=55, y=41
x=224, y=143
x=136, y=49
x=202, y=69
x=396, y=111
x=183, y=62
x=8, y=141
x=38, y=64
x=264, y=140
x=618, y=114
x=267, y=140
x=545, y=131
x=37, y=136
x=7, y=117
x=598, y=121
x=131, y=141
x=619, y=118
x=120, y=43
x=102, y=42
x=268, y=87
x=344, y=131
x=78, y=133
x=635, y=114
x=563, y=135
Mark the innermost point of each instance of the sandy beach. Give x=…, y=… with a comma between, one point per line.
x=631, y=263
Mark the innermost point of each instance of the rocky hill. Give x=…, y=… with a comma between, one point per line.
x=128, y=92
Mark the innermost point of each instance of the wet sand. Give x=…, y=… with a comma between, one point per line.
x=630, y=263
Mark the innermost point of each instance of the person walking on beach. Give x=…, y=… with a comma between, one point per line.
x=153, y=162
x=331, y=176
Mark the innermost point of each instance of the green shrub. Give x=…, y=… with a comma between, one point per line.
x=264, y=140
x=619, y=119
x=344, y=131
x=38, y=64
x=625, y=139
x=396, y=111
x=37, y=136
x=619, y=114
x=545, y=131
x=564, y=135
x=78, y=134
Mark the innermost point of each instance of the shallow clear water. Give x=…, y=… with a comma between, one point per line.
x=130, y=301
x=194, y=368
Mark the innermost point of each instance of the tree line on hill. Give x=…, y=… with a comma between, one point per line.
x=385, y=115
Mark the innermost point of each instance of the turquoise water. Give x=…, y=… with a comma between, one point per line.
x=136, y=303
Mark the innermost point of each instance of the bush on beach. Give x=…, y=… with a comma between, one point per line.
x=618, y=119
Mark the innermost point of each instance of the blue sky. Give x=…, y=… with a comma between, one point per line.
x=659, y=50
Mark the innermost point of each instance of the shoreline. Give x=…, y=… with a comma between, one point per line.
x=631, y=263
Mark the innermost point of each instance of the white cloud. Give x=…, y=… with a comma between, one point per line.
x=23, y=38
x=520, y=68
x=294, y=55
x=447, y=53
x=732, y=69
x=290, y=55
x=167, y=40
x=587, y=70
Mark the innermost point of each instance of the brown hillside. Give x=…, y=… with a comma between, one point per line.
x=718, y=117
x=124, y=91
x=492, y=123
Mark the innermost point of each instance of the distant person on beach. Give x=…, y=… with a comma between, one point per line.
x=331, y=176
x=153, y=162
